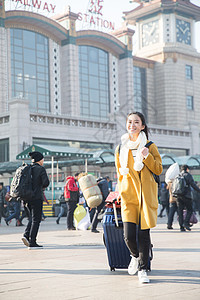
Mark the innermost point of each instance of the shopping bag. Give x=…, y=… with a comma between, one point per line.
x=193, y=218
x=84, y=223
x=79, y=214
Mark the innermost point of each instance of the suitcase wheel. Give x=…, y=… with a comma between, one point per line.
x=112, y=269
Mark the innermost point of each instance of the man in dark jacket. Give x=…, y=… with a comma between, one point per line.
x=39, y=182
x=103, y=185
x=185, y=201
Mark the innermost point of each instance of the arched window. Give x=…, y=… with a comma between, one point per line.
x=30, y=68
x=94, y=82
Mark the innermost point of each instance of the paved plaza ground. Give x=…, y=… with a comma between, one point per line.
x=73, y=265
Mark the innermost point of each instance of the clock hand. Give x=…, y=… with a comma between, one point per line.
x=152, y=29
x=180, y=28
x=186, y=29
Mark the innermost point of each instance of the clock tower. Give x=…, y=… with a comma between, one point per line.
x=164, y=26
x=166, y=35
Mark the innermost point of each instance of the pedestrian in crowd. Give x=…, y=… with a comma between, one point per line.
x=63, y=208
x=3, y=203
x=103, y=185
x=196, y=200
x=164, y=200
x=15, y=204
x=71, y=194
x=185, y=201
x=109, y=183
x=47, y=202
x=25, y=213
x=138, y=190
x=172, y=206
x=39, y=182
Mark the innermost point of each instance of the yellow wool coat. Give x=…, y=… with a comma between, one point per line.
x=138, y=190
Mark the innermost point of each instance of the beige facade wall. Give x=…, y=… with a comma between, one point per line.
x=172, y=88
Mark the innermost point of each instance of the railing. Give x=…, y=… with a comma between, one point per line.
x=167, y=131
x=76, y=122
x=67, y=121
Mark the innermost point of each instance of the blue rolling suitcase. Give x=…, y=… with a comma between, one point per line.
x=117, y=251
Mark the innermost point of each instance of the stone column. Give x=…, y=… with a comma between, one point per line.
x=69, y=79
x=19, y=126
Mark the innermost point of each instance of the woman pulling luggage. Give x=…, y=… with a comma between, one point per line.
x=136, y=163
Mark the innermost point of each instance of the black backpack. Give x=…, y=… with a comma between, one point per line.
x=156, y=177
x=179, y=186
x=21, y=186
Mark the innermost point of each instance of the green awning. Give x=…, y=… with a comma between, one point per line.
x=58, y=152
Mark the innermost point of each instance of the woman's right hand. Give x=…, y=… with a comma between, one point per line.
x=118, y=198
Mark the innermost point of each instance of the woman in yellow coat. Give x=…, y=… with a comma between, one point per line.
x=138, y=190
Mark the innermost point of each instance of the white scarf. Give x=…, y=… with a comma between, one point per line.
x=124, y=150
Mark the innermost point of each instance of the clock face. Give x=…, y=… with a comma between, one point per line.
x=183, y=32
x=150, y=33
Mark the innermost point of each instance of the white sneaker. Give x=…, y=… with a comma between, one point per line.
x=143, y=278
x=133, y=266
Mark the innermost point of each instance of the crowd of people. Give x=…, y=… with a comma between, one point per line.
x=184, y=205
x=14, y=209
x=73, y=195
x=138, y=162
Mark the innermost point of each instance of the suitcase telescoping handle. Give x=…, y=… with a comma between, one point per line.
x=115, y=214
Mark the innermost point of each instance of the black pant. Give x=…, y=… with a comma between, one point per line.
x=71, y=206
x=95, y=217
x=184, y=203
x=132, y=233
x=32, y=228
x=164, y=206
x=172, y=209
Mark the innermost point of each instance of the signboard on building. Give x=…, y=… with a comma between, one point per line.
x=93, y=18
x=41, y=6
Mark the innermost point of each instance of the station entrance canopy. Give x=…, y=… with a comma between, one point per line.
x=58, y=152
x=61, y=154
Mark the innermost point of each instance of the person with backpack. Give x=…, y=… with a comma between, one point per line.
x=181, y=189
x=71, y=194
x=138, y=189
x=94, y=215
x=40, y=181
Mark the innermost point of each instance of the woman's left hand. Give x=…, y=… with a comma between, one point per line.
x=144, y=151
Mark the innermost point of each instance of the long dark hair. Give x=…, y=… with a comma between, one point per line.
x=142, y=118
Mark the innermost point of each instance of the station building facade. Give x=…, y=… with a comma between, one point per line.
x=63, y=87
